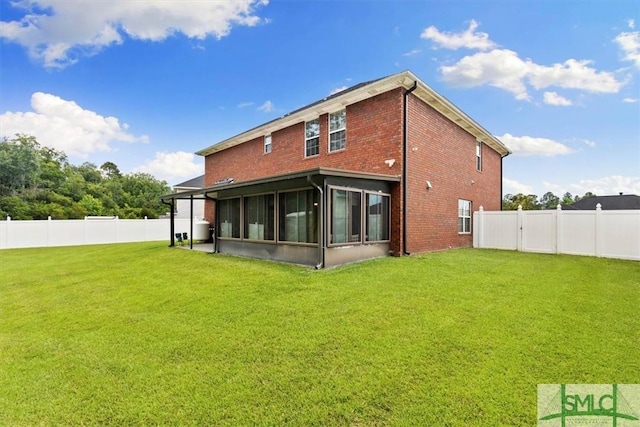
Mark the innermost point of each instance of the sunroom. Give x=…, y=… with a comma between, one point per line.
x=320, y=217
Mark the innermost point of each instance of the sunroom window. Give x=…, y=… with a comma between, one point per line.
x=298, y=216
x=377, y=217
x=259, y=217
x=229, y=218
x=346, y=216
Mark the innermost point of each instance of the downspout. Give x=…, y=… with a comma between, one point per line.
x=215, y=219
x=405, y=138
x=321, y=211
x=191, y=222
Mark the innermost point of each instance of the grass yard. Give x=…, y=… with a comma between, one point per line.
x=144, y=334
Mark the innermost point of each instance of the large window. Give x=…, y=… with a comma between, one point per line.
x=229, y=218
x=478, y=155
x=346, y=216
x=377, y=217
x=259, y=217
x=464, y=216
x=298, y=216
x=337, y=130
x=312, y=138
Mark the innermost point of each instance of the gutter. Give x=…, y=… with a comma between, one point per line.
x=322, y=217
x=405, y=138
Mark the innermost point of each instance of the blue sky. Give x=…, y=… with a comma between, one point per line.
x=145, y=84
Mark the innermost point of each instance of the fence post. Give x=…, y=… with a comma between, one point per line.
x=48, y=243
x=598, y=230
x=520, y=225
x=559, y=220
x=480, y=228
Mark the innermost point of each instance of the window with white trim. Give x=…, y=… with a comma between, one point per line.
x=464, y=216
x=479, y=155
x=312, y=138
x=267, y=144
x=337, y=130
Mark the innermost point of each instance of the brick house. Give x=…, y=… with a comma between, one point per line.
x=386, y=167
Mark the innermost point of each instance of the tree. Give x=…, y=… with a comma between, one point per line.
x=549, y=200
x=110, y=170
x=528, y=202
x=19, y=165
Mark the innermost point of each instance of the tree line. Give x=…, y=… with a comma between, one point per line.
x=37, y=182
x=510, y=202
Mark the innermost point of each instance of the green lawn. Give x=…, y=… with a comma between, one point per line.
x=144, y=334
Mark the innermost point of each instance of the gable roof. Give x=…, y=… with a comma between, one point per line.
x=360, y=92
x=617, y=202
x=197, y=182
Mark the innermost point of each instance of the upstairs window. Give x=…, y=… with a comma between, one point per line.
x=337, y=130
x=312, y=138
x=267, y=144
x=478, y=155
x=464, y=216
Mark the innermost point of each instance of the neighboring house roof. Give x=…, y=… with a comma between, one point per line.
x=193, y=183
x=360, y=92
x=617, y=202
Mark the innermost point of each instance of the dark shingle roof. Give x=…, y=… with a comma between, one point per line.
x=617, y=202
x=197, y=182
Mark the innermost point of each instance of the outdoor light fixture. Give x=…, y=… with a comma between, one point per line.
x=429, y=185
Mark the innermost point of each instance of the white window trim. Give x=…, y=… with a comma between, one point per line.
x=461, y=215
x=267, y=143
x=331, y=132
x=479, y=156
x=306, y=140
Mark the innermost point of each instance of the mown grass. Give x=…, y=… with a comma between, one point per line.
x=142, y=334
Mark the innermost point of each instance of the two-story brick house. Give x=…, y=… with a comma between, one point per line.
x=386, y=167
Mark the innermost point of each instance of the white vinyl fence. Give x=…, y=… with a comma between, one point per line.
x=611, y=234
x=88, y=231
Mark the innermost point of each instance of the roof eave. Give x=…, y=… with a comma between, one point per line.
x=404, y=79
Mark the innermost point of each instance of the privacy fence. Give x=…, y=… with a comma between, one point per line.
x=88, y=231
x=602, y=233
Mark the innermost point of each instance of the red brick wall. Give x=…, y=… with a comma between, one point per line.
x=369, y=143
x=439, y=151
x=444, y=154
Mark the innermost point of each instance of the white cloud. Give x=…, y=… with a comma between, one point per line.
x=66, y=30
x=631, y=23
x=337, y=90
x=412, y=52
x=245, y=104
x=573, y=74
x=533, y=146
x=267, y=107
x=629, y=43
x=66, y=126
x=504, y=69
x=172, y=166
x=552, y=98
x=630, y=100
x=469, y=39
x=608, y=185
x=511, y=186
x=500, y=68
